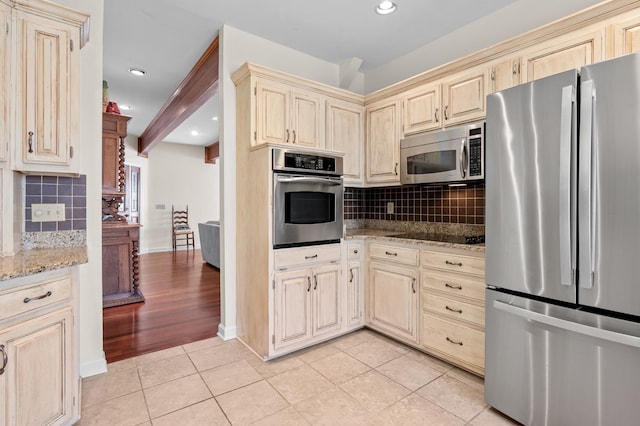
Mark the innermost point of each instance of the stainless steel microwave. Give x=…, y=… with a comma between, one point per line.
x=446, y=156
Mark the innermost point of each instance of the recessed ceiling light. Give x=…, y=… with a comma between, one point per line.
x=125, y=107
x=194, y=133
x=214, y=118
x=137, y=71
x=386, y=7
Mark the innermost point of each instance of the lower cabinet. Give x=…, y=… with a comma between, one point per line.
x=354, y=285
x=307, y=304
x=38, y=373
x=393, y=300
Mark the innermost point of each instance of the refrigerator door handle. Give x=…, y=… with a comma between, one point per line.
x=586, y=184
x=567, y=244
x=611, y=336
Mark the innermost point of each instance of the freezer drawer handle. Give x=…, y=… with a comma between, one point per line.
x=453, y=263
x=454, y=342
x=599, y=333
x=457, y=311
x=454, y=287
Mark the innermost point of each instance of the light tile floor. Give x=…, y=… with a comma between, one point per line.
x=362, y=378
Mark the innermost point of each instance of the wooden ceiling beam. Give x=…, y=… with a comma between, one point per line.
x=211, y=153
x=197, y=87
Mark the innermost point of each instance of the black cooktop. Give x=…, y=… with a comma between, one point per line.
x=445, y=238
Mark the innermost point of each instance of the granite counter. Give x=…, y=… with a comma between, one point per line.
x=34, y=261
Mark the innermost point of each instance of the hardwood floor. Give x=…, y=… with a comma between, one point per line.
x=182, y=305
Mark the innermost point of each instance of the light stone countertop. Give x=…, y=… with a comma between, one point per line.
x=34, y=261
x=390, y=236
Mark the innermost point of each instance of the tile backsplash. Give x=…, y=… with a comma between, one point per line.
x=70, y=191
x=417, y=203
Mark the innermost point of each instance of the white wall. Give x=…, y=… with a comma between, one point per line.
x=173, y=174
x=92, y=360
x=512, y=20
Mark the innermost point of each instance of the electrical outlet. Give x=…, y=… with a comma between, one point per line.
x=390, y=208
x=47, y=213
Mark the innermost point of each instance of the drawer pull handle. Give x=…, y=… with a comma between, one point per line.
x=453, y=263
x=388, y=253
x=311, y=257
x=5, y=359
x=44, y=296
x=309, y=286
x=455, y=287
x=454, y=342
x=457, y=311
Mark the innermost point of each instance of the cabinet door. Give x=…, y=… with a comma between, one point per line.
x=421, y=109
x=293, y=307
x=393, y=300
x=272, y=103
x=306, y=121
x=563, y=54
x=626, y=35
x=355, y=294
x=37, y=386
x=464, y=95
x=5, y=16
x=47, y=91
x=505, y=74
x=345, y=132
x=383, y=142
x=326, y=299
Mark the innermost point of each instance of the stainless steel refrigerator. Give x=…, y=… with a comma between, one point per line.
x=563, y=247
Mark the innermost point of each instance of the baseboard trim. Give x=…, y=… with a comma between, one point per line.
x=227, y=333
x=94, y=367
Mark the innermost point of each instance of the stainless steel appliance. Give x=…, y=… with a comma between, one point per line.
x=562, y=232
x=307, y=198
x=452, y=155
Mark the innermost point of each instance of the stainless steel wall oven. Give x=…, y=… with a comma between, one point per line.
x=307, y=198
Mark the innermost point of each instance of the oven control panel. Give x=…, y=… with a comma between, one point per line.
x=289, y=160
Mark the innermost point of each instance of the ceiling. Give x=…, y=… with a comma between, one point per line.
x=167, y=37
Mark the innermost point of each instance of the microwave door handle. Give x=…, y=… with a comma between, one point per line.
x=463, y=159
x=309, y=179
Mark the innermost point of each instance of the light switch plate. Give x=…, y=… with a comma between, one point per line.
x=47, y=213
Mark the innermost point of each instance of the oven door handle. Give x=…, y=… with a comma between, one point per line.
x=309, y=179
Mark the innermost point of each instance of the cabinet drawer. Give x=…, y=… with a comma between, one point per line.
x=354, y=251
x=406, y=256
x=453, y=309
x=285, y=258
x=34, y=297
x=463, y=343
x=454, y=284
x=453, y=262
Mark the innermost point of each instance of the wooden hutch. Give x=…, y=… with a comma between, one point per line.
x=120, y=277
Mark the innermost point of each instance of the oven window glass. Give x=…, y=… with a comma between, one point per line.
x=307, y=207
x=432, y=162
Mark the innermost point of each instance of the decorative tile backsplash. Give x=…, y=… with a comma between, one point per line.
x=417, y=203
x=70, y=191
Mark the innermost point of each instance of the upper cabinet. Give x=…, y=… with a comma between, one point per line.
x=383, y=142
x=421, y=109
x=505, y=73
x=5, y=60
x=287, y=116
x=47, y=72
x=563, y=53
x=626, y=34
x=345, y=133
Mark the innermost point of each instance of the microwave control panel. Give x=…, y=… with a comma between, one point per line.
x=475, y=151
x=287, y=160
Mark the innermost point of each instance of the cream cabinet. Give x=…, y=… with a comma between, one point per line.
x=452, y=307
x=382, y=159
x=287, y=116
x=307, y=294
x=572, y=51
x=464, y=96
x=392, y=291
x=47, y=87
x=421, y=109
x=626, y=34
x=39, y=383
x=354, y=284
x=345, y=133
x=5, y=78
x=505, y=73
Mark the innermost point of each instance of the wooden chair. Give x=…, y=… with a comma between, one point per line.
x=181, y=231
